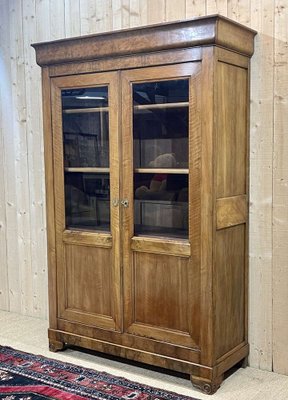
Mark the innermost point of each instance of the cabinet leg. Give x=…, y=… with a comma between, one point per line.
x=206, y=386
x=54, y=345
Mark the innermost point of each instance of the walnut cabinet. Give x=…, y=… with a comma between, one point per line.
x=146, y=155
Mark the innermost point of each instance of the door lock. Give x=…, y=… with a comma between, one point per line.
x=125, y=203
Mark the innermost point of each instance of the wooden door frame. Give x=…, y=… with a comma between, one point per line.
x=176, y=247
x=87, y=238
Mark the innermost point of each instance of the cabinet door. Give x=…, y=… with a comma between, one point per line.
x=86, y=186
x=161, y=202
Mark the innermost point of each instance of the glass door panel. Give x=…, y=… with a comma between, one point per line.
x=87, y=199
x=85, y=118
x=160, y=147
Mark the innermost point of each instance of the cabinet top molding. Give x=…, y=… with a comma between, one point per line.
x=209, y=30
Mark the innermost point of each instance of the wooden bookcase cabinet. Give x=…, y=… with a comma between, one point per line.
x=173, y=298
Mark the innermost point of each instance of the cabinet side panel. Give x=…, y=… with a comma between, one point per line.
x=231, y=116
x=229, y=289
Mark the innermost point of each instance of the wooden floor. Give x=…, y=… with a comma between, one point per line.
x=30, y=334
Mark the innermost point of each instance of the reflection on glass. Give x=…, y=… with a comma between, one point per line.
x=160, y=140
x=160, y=122
x=161, y=204
x=85, y=98
x=162, y=92
x=86, y=127
x=87, y=199
x=86, y=140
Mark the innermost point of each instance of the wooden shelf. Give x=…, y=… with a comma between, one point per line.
x=161, y=170
x=161, y=106
x=137, y=107
x=87, y=169
x=85, y=110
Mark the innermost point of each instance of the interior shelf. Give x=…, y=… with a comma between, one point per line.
x=87, y=169
x=161, y=170
x=84, y=110
x=161, y=106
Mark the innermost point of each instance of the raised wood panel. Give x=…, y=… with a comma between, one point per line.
x=88, y=273
x=231, y=211
x=87, y=238
x=161, y=246
x=229, y=289
x=165, y=299
x=161, y=291
x=231, y=128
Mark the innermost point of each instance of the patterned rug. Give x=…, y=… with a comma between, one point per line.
x=25, y=376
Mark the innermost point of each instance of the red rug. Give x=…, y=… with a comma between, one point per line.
x=25, y=376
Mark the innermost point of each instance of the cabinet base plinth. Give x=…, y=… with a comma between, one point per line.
x=205, y=378
x=206, y=386
x=244, y=363
x=55, y=345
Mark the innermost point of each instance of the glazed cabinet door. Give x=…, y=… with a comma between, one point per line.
x=86, y=188
x=161, y=202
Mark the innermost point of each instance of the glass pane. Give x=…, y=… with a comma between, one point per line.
x=85, y=98
x=86, y=127
x=86, y=158
x=161, y=92
x=160, y=124
x=161, y=212
x=160, y=140
x=86, y=140
x=87, y=198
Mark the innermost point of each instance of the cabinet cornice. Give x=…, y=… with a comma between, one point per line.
x=211, y=30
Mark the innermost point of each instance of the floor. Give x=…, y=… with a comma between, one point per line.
x=30, y=335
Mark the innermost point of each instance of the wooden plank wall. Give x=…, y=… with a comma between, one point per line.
x=23, y=269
